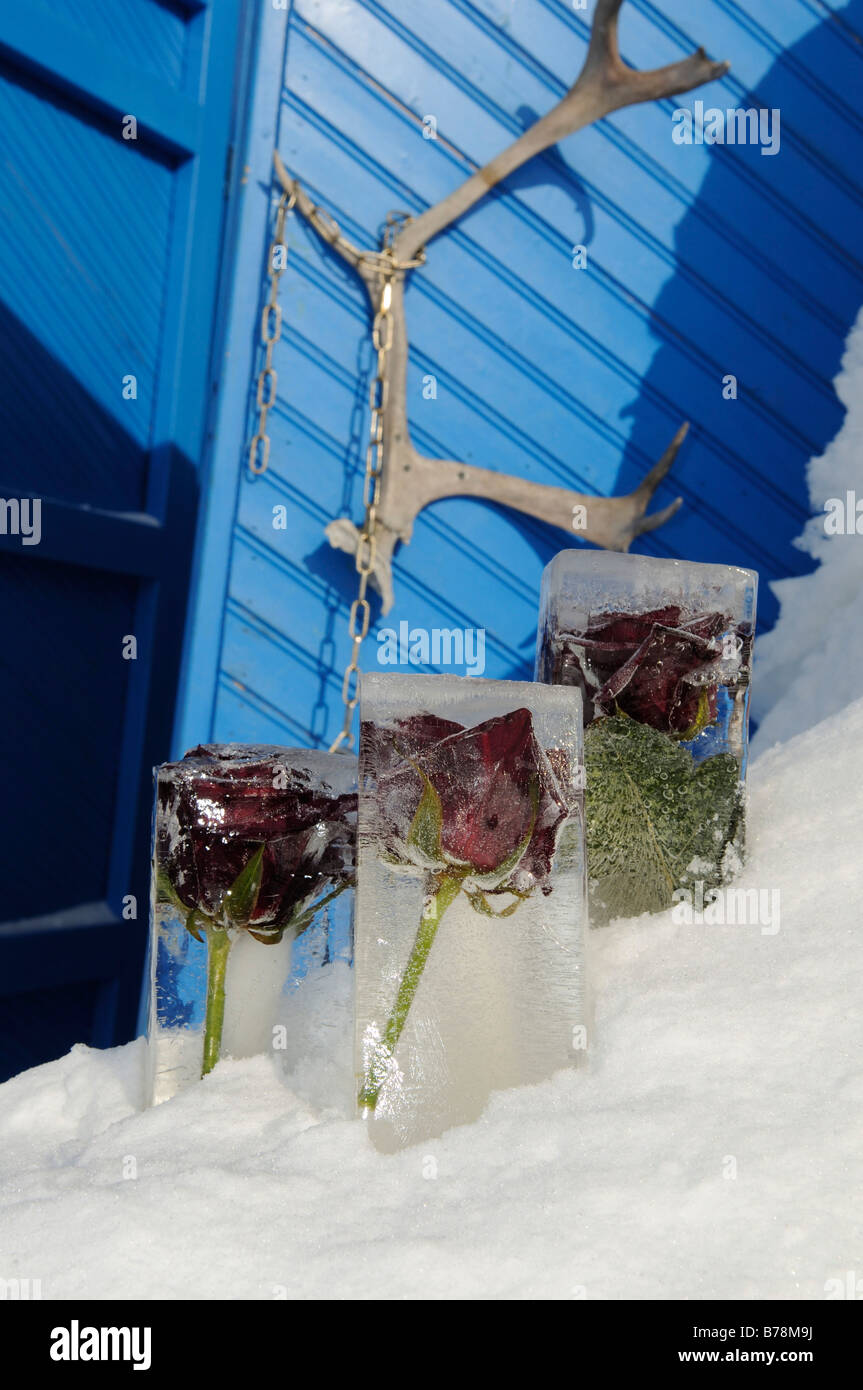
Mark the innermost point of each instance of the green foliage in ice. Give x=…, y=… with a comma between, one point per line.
x=656, y=820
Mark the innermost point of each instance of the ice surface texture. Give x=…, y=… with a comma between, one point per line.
x=470, y=903
x=661, y=651
x=251, y=846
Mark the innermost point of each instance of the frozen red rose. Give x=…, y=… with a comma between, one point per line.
x=220, y=807
x=658, y=667
x=484, y=802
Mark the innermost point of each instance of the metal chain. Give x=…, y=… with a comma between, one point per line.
x=360, y=614
x=383, y=261
x=385, y=264
x=271, y=332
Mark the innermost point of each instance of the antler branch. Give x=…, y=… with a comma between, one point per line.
x=605, y=84
x=410, y=480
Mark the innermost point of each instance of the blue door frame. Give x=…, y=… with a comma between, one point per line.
x=110, y=266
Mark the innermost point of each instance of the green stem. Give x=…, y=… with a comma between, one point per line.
x=431, y=920
x=218, y=947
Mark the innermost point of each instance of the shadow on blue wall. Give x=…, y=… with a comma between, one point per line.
x=744, y=503
x=727, y=493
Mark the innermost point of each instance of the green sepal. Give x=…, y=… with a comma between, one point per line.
x=298, y=921
x=427, y=824
x=167, y=893
x=241, y=899
x=480, y=903
x=268, y=936
x=701, y=721
x=194, y=921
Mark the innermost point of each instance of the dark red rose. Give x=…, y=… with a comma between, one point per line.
x=223, y=810
x=483, y=802
x=658, y=667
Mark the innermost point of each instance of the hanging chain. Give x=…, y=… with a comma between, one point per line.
x=329, y=230
x=271, y=332
x=387, y=267
x=360, y=614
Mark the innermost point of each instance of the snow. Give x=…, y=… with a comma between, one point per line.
x=711, y=1148
x=811, y=664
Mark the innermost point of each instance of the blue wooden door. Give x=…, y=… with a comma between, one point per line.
x=115, y=123
x=704, y=262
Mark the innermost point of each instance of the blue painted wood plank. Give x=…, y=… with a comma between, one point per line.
x=116, y=542
x=63, y=764
x=109, y=254
x=99, y=77
x=246, y=238
x=79, y=301
x=151, y=35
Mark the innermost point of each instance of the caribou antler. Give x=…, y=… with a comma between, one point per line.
x=410, y=480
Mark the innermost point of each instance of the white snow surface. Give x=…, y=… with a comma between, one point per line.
x=811, y=664
x=713, y=1044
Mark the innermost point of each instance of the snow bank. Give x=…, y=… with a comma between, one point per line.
x=811, y=664
x=712, y=1148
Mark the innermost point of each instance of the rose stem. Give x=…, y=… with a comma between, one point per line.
x=218, y=946
x=431, y=920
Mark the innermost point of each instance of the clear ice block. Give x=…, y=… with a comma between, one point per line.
x=253, y=848
x=661, y=651
x=470, y=920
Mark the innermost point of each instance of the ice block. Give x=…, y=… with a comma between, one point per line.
x=661, y=651
x=253, y=849
x=470, y=921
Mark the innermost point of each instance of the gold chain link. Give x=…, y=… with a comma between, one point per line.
x=360, y=613
x=387, y=267
x=271, y=332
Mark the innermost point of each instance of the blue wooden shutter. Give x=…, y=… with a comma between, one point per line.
x=109, y=269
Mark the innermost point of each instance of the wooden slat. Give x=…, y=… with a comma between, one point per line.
x=34, y=37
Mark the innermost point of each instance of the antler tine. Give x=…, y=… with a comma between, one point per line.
x=312, y=213
x=694, y=71
x=656, y=519
x=650, y=482
x=603, y=50
x=604, y=84
x=604, y=63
